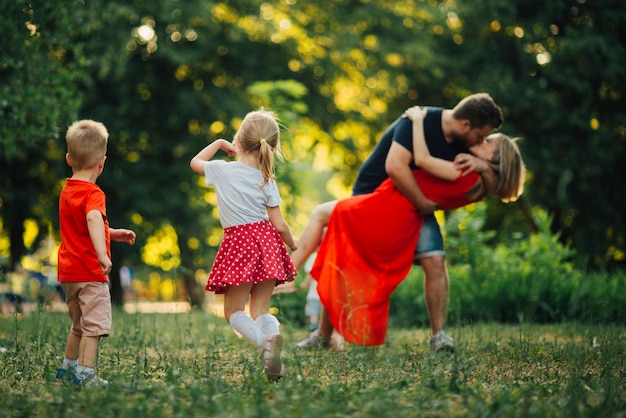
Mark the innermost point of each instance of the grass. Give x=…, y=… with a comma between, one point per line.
x=193, y=365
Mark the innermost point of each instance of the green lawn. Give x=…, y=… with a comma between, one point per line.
x=193, y=365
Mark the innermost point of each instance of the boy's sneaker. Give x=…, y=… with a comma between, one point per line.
x=272, y=350
x=313, y=340
x=441, y=342
x=89, y=379
x=64, y=374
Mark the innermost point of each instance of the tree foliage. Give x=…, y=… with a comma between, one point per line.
x=169, y=76
x=40, y=75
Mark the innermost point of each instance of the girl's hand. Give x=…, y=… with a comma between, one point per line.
x=415, y=113
x=229, y=148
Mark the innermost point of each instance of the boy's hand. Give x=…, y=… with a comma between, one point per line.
x=106, y=264
x=123, y=235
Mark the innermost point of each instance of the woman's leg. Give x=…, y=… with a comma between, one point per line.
x=313, y=232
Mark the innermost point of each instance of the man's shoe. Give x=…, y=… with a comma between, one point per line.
x=89, y=380
x=272, y=350
x=441, y=342
x=313, y=340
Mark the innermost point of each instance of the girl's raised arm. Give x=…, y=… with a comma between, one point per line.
x=197, y=162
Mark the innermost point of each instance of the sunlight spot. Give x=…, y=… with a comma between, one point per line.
x=176, y=36
x=132, y=157
x=193, y=126
x=136, y=219
x=544, y=58
x=193, y=243
x=145, y=32
x=191, y=35
x=217, y=127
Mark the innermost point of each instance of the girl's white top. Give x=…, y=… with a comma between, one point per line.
x=240, y=197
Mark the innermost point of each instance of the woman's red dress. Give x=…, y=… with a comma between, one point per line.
x=368, y=250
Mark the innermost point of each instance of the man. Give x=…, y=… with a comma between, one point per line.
x=448, y=132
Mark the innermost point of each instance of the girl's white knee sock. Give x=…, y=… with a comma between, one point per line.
x=268, y=323
x=243, y=324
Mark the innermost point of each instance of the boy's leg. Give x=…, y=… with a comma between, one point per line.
x=88, y=351
x=72, y=346
x=70, y=360
x=95, y=306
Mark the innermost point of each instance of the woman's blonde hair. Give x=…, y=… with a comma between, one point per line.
x=260, y=131
x=86, y=143
x=508, y=165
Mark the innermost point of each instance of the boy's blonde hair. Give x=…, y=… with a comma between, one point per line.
x=260, y=131
x=86, y=143
x=508, y=165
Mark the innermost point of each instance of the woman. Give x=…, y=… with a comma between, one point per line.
x=368, y=247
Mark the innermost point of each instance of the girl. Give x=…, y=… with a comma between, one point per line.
x=252, y=258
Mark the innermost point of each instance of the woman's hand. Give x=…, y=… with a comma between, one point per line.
x=415, y=113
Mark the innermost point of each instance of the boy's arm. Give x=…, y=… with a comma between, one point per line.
x=122, y=235
x=197, y=162
x=95, y=224
x=277, y=220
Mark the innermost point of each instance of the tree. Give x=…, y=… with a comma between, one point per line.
x=556, y=67
x=40, y=76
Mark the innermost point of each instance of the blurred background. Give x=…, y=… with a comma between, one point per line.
x=167, y=77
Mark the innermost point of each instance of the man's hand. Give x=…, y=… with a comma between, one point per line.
x=428, y=208
x=468, y=163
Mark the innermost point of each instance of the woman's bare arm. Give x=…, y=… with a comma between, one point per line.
x=436, y=166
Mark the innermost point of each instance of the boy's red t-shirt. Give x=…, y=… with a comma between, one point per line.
x=78, y=261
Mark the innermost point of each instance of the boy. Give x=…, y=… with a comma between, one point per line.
x=84, y=254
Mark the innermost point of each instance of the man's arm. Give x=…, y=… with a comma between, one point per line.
x=398, y=168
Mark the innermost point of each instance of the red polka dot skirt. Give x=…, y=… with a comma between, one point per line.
x=250, y=253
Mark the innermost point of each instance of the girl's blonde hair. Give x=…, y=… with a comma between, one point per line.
x=509, y=167
x=260, y=132
x=86, y=143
